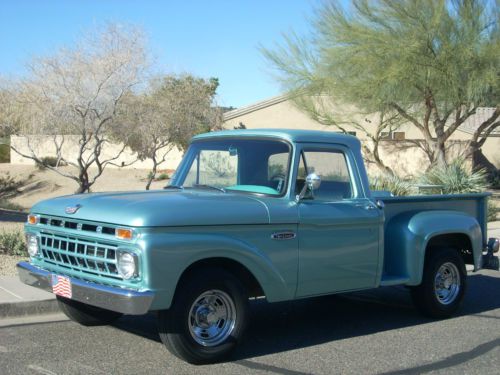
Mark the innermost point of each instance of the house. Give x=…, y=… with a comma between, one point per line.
x=397, y=149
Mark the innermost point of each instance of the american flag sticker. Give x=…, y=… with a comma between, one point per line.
x=61, y=286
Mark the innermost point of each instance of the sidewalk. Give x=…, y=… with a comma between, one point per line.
x=18, y=299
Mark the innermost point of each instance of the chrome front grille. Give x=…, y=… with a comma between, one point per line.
x=90, y=257
x=59, y=222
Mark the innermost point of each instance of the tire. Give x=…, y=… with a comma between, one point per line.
x=207, y=318
x=443, y=284
x=86, y=315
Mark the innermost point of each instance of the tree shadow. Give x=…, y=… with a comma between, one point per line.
x=279, y=327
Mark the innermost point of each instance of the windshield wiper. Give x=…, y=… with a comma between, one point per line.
x=203, y=186
x=174, y=187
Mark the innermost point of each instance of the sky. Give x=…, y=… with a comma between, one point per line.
x=212, y=38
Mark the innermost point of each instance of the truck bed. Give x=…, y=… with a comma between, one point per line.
x=397, y=267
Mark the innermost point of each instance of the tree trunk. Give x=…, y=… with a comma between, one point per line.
x=481, y=162
x=83, y=183
x=440, y=154
x=152, y=174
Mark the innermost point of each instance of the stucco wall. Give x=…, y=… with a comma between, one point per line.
x=44, y=146
x=398, y=155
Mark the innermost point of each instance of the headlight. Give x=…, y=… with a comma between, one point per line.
x=127, y=265
x=32, y=244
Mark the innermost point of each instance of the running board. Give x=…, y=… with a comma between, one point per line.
x=394, y=280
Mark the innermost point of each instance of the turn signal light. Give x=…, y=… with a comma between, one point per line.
x=33, y=219
x=124, y=233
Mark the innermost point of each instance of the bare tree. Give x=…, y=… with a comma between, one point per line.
x=174, y=109
x=76, y=95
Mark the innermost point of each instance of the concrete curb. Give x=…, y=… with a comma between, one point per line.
x=25, y=308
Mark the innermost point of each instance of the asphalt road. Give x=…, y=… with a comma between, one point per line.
x=363, y=333
x=13, y=216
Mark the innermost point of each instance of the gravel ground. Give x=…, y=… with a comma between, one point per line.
x=8, y=264
x=9, y=226
x=40, y=185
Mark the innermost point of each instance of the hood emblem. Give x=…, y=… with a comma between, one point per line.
x=72, y=209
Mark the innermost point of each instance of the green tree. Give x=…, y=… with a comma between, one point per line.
x=166, y=116
x=430, y=62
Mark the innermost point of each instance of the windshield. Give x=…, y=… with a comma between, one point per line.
x=248, y=165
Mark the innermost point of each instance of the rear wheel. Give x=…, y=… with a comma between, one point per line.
x=86, y=315
x=443, y=284
x=207, y=318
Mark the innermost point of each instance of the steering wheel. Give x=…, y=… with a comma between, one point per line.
x=278, y=181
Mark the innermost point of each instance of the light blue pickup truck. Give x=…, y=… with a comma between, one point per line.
x=276, y=213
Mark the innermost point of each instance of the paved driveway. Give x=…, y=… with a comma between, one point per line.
x=362, y=333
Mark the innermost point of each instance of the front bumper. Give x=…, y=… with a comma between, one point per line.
x=121, y=300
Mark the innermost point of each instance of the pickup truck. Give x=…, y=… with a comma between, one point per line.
x=280, y=214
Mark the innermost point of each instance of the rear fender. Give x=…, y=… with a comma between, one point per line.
x=408, y=235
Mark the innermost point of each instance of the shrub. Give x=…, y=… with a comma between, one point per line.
x=4, y=153
x=456, y=178
x=8, y=185
x=494, y=179
x=396, y=185
x=163, y=176
x=493, y=211
x=8, y=205
x=12, y=243
x=49, y=161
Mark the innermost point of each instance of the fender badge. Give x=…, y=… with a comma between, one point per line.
x=72, y=209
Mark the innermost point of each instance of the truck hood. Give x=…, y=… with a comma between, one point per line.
x=159, y=208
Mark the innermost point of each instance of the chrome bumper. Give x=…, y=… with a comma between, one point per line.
x=121, y=300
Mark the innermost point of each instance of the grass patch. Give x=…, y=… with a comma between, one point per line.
x=12, y=243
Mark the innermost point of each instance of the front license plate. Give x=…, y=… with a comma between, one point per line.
x=61, y=285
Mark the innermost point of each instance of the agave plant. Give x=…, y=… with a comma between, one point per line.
x=392, y=183
x=456, y=178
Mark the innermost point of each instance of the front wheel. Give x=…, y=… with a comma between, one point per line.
x=443, y=284
x=86, y=315
x=207, y=318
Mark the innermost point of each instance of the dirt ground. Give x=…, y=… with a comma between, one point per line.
x=47, y=184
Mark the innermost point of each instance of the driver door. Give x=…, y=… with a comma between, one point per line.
x=339, y=228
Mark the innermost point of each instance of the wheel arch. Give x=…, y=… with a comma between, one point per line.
x=232, y=266
x=419, y=234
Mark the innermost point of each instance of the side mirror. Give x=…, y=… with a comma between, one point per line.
x=313, y=182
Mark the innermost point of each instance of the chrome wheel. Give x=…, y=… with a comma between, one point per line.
x=447, y=283
x=212, y=318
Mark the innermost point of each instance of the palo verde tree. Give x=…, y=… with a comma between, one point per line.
x=175, y=108
x=430, y=62
x=74, y=97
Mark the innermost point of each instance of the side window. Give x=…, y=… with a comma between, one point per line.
x=332, y=167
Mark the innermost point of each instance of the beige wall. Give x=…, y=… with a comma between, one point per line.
x=405, y=160
x=44, y=146
x=279, y=113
